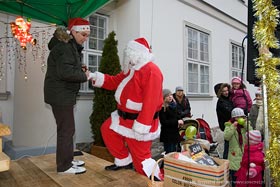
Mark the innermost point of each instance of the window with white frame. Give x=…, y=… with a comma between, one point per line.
x=197, y=64
x=236, y=60
x=93, y=47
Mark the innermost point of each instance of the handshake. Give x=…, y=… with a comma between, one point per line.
x=90, y=75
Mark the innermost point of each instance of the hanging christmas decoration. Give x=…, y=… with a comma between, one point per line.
x=11, y=52
x=264, y=34
x=20, y=30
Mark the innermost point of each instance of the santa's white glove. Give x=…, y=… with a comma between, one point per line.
x=92, y=76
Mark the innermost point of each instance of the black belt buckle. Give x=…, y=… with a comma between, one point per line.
x=122, y=114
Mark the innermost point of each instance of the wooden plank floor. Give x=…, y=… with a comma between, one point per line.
x=40, y=171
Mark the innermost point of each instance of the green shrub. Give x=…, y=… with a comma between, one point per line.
x=104, y=101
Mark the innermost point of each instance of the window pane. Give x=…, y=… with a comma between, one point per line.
x=101, y=22
x=92, y=60
x=192, y=78
x=192, y=44
x=234, y=57
x=101, y=34
x=237, y=60
x=100, y=44
x=92, y=43
x=93, y=32
x=93, y=20
x=204, y=47
x=240, y=56
x=204, y=79
x=234, y=73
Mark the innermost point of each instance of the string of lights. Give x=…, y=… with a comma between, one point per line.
x=13, y=54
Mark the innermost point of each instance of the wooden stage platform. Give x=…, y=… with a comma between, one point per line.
x=40, y=171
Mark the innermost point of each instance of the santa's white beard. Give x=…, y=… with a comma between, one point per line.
x=127, y=60
x=133, y=57
x=125, y=65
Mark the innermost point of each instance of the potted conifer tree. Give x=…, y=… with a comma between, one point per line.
x=104, y=101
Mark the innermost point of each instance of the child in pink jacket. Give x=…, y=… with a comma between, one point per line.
x=255, y=163
x=240, y=96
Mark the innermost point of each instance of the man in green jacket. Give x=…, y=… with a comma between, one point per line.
x=62, y=83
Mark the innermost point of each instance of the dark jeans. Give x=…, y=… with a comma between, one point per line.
x=226, y=145
x=64, y=116
x=170, y=147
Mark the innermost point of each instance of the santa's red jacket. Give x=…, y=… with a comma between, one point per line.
x=139, y=92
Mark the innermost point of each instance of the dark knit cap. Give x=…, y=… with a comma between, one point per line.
x=166, y=92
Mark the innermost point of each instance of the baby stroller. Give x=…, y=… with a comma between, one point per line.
x=203, y=135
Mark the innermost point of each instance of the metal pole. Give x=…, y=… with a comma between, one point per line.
x=266, y=135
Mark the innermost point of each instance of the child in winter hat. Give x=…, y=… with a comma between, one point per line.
x=235, y=133
x=169, y=134
x=254, y=147
x=168, y=100
x=254, y=137
x=166, y=92
x=240, y=96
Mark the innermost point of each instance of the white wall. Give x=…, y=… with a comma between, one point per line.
x=234, y=8
x=124, y=20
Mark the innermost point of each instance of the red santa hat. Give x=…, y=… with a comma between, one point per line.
x=137, y=54
x=236, y=80
x=78, y=24
x=255, y=137
x=144, y=42
x=140, y=44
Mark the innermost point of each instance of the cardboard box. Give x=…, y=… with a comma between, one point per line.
x=187, y=174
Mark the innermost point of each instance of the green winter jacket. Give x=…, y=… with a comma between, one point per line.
x=235, y=150
x=64, y=72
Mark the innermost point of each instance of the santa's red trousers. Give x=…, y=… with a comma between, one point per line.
x=122, y=147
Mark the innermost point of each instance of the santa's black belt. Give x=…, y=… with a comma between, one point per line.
x=132, y=116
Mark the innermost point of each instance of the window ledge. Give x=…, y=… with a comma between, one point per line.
x=4, y=95
x=85, y=96
x=200, y=97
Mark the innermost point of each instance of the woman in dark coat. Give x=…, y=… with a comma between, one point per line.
x=224, y=105
x=223, y=109
x=169, y=123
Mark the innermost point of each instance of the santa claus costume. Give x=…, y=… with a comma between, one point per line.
x=253, y=158
x=129, y=132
